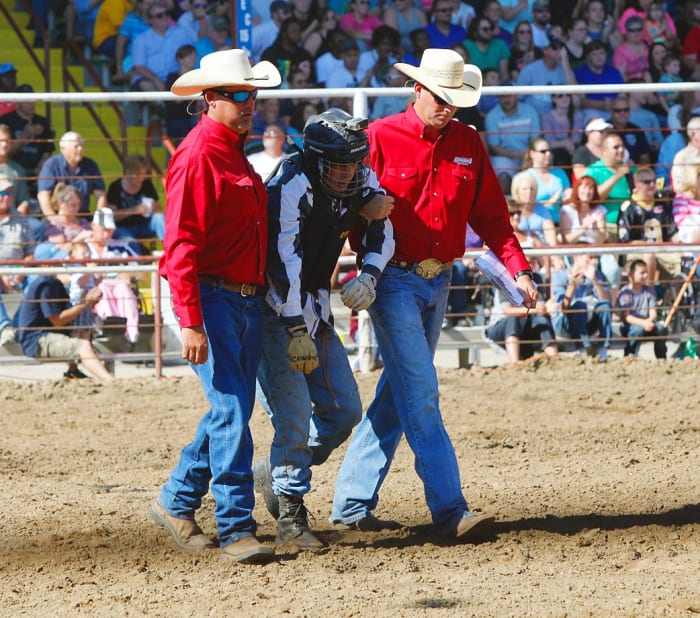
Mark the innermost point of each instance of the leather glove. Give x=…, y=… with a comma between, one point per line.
x=301, y=349
x=359, y=293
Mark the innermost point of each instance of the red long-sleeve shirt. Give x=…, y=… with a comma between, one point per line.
x=216, y=217
x=438, y=187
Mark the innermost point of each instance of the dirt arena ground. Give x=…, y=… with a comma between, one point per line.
x=592, y=470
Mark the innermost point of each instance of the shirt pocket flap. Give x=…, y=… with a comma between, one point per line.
x=462, y=172
x=404, y=173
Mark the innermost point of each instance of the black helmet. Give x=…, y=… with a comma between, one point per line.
x=335, y=137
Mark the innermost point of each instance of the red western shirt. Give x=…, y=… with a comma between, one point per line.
x=216, y=217
x=438, y=187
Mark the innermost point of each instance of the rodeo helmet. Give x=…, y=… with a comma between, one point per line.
x=336, y=138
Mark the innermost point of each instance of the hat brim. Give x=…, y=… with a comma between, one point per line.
x=467, y=95
x=265, y=75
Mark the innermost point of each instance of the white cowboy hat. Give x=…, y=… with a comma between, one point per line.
x=230, y=67
x=443, y=72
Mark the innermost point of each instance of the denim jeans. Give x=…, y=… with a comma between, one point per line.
x=4, y=316
x=222, y=449
x=152, y=228
x=407, y=318
x=312, y=414
x=636, y=335
x=580, y=327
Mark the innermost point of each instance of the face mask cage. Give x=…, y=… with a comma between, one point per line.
x=334, y=184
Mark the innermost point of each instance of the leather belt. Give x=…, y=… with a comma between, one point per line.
x=244, y=289
x=427, y=269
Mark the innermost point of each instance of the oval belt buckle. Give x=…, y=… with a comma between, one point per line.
x=429, y=269
x=247, y=289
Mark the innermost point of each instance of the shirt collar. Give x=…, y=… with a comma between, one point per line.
x=642, y=203
x=221, y=131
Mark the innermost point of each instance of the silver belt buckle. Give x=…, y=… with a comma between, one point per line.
x=247, y=289
x=429, y=269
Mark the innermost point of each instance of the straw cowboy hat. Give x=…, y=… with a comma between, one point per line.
x=443, y=72
x=230, y=67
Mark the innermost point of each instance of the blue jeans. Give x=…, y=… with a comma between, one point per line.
x=577, y=324
x=636, y=335
x=222, y=449
x=153, y=227
x=4, y=316
x=407, y=318
x=312, y=414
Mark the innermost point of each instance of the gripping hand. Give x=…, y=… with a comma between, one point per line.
x=359, y=293
x=301, y=349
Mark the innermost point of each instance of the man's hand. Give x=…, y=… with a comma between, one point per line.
x=93, y=297
x=195, y=346
x=359, y=293
x=528, y=290
x=301, y=349
x=379, y=207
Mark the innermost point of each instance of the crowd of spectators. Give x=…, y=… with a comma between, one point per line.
x=576, y=168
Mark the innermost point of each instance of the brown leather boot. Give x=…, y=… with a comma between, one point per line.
x=248, y=550
x=187, y=534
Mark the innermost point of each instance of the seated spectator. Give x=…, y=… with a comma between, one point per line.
x=582, y=220
x=79, y=285
x=683, y=168
x=638, y=149
x=658, y=52
x=133, y=25
x=23, y=205
x=494, y=11
x=638, y=314
x=535, y=219
x=514, y=11
x=575, y=42
x=110, y=16
x=287, y=50
x=263, y=35
x=358, y=23
x=510, y=126
x=326, y=64
x=657, y=24
x=382, y=56
x=419, y=42
x=65, y=226
x=597, y=71
x=642, y=116
x=671, y=75
x=303, y=110
x=442, y=33
x=153, y=51
x=488, y=101
x=522, y=330
x=540, y=23
x=44, y=313
x=592, y=148
x=484, y=50
x=563, y=128
x=385, y=106
x=181, y=116
x=306, y=12
x=117, y=296
x=8, y=83
x=522, y=50
x=610, y=173
x=31, y=135
x=16, y=237
x=71, y=167
x=265, y=161
x=85, y=12
x=551, y=182
x=584, y=306
x=267, y=112
x=316, y=42
x=686, y=208
x=599, y=25
x=463, y=13
x=217, y=38
x=134, y=200
x=632, y=57
x=671, y=145
x=350, y=75
x=405, y=16
x=195, y=18
x=551, y=69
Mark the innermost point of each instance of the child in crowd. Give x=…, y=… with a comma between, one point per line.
x=488, y=101
x=78, y=286
x=671, y=75
x=657, y=27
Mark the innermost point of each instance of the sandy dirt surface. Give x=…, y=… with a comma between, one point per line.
x=591, y=469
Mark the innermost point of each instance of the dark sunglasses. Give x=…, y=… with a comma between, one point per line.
x=6, y=192
x=438, y=100
x=486, y=29
x=647, y=181
x=238, y=96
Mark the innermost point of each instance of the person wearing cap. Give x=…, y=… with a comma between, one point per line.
x=71, y=167
x=8, y=83
x=552, y=69
x=263, y=35
x=592, y=148
x=317, y=200
x=31, y=134
x=214, y=259
x=541, y=17
x=218, y=38
x=440, y=176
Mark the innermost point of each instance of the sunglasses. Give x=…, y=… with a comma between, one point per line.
x=6, y=192
x=438, y=100
x=238, y=96
x=647, y=181
x=486, y=29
